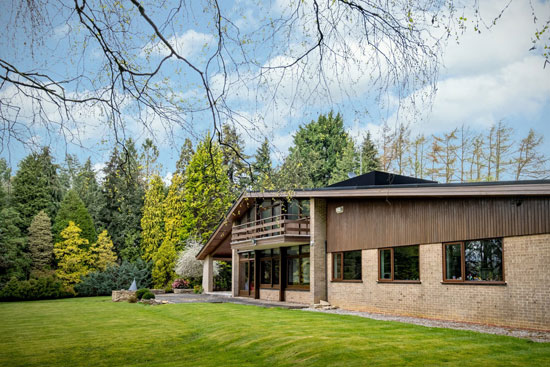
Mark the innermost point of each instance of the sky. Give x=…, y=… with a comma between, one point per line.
x=484, y=78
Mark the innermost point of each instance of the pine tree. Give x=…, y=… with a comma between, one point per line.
x=36, y=187
x=14, y=260
x=101, y=252
x=152, y=221
x=234, y=159
x=348, y=163
x=87, y=188
x=41, y=242
x=73, y=209
x=529, y=161
x=263, y=169
x=185, y=156
x=207, y=191
x=368, y=155
x=72, y=255
x=164, y=262
x=149, y=156
x=317, y=148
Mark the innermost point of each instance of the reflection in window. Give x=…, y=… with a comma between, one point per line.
x=399, y=263
x=346, y=265
x=298, y=271
x=474, y=261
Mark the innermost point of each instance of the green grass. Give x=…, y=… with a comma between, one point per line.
x=98, y=332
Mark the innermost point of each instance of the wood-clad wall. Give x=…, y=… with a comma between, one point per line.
x=375, y=223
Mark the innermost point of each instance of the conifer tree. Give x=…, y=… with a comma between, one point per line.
x=164, y=261
x=41, y=242
x=207, y=191
x=232, y=147
x=348, y=163
x=89, y=191
x=152, y=221
x=72, y=255
x=14, y=260
x=368, y=155
x=185, y=156
x=36, y=187
x=73, y=209
x=101, y=252
x=263, y=168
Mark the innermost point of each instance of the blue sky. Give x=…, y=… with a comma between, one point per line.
x=484, y=78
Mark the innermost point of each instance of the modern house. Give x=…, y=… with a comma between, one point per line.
x=472, y=252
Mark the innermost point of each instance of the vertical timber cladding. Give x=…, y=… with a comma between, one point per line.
x=375, y=223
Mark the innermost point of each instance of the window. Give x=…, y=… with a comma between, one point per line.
x=473, y=261
x=298, y=267
x=399, y=264
x=270, y=263
x=346, y=265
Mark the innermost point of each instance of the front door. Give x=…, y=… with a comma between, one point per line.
x=246, y=274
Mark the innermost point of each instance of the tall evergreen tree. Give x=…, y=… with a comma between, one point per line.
x=186, y=153
x=72, y=255
x=317, y=148
x=123, y=191
x=14, y=260
x=101, y=253
x=41, y=242
x=73, y=209
x=232, y=147
x=149, y=156
x=87, y=188
x=368, y=155
x=152, y=221
x=36, y=187
x=263, y=168
x=207, y=191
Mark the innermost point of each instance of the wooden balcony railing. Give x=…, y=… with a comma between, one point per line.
x=284, y=224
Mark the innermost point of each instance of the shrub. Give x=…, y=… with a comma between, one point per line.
x=115, y=277
x=181, y=284
x=141, y=292
x=148, y=295
x=168, y=290
x=197, y=289
x=48, y=287
x=132, y=299
x=187, y=265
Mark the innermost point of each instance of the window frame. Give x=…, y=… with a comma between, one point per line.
x=392, y=267
x=463, y=264
x=271, y=258
x=341, y=279
x=299, y=256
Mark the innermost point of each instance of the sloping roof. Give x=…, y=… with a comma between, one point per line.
x=378, y=178
x=402, y=190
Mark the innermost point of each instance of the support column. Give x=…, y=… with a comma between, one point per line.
x=318, y=254
x=208, y=274
x=235, y=273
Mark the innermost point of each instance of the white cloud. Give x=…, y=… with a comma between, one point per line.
x=187, y=44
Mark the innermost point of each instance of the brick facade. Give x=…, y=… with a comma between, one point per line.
x=523, y=302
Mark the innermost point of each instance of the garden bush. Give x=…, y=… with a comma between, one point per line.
x=197, y=289
x=48, y=287
x=148, y=295
x=141, y=292
x=115, y=277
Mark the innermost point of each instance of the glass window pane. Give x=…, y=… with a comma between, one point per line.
x=405, y=263
x=293, y=209
x=265, y=253
x=304, y=204
x=453, y=262
x=304, y=249
x=243, y=276
x=265, y=271
x=336, y=267
x=483, y=260
x=276, y=252
x=276, y=267
x=251, y=255
x=385, y=264
x=293, y=271
x=252, y=275
x=305, y=270
x=352, y=265
x=290, y=251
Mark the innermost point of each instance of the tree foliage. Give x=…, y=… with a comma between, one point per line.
x=72, y=209
x=152, y=221
x=262, y=168
x=88, y=189
x=41, y=242
x=101, y=252
x=187, y=265
x=72, y=255
x=14, y=260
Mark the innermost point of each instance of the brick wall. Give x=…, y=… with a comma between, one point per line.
x=294, y=296
x=269, y=294
x=523, y=302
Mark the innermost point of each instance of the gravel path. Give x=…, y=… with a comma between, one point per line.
x=536, y=336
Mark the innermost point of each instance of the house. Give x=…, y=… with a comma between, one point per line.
x=472, y=252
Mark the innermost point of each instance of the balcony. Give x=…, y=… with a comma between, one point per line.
x=284, y=228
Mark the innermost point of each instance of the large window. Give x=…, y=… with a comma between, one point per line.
x=298, y=267
x=346, y=266
x=399, y=264
x=473, y=261
x=270, y=264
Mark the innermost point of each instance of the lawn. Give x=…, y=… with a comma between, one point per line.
x=98, y=332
